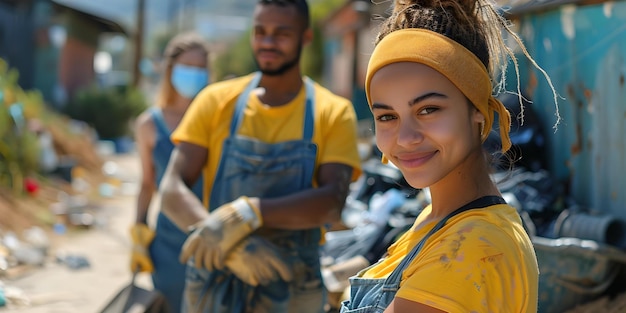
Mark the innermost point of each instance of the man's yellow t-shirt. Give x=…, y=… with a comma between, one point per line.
x=482, y=260
x=207, y=123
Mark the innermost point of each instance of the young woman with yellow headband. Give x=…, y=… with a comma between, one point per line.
x=429, y=84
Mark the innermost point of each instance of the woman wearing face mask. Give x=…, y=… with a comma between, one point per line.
x=156, y=251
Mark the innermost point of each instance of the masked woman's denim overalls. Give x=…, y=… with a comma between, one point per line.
x=369, y=295
x=256, y=169
x=169, y=274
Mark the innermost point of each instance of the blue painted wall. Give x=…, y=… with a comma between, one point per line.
x=583, y=49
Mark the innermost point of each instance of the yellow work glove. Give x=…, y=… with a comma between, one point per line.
x=212, y=238
x=141, y=236
x=256, y=261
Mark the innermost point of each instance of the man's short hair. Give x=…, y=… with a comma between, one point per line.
x=301, y=6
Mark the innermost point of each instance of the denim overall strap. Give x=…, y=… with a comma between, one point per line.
x=159, y=122
x=258, y=169
x=242, y=102
x=309, y=117
x=375, y=295
x=163, y=146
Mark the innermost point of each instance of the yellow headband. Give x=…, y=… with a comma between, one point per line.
x=450, y=59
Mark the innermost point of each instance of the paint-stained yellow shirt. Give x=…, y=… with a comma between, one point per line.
x=482, y=260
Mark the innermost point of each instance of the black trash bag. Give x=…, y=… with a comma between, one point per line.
x=134, y=299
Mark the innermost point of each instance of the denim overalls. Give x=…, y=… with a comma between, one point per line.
x=169, y=274
x=256, y=169
x=375, y=295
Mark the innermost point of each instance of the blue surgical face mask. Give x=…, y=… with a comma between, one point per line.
x=189, y=80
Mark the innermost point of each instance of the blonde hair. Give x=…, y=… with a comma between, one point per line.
x=176, y=46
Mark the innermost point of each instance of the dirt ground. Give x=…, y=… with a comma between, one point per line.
x=58, y=287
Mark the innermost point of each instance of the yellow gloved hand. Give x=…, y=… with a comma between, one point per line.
x=257, y=261
x=141, y=236
x=213, y=237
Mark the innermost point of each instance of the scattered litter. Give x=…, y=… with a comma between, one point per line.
x=129, y=189
x=110, y=168
x=29, y=255
x=15, y=297
x=81, y=219
x=32, y=250
x=106, y=190
x=58, y=208
x=74, y=262
x=105, y=148
x=59, y=228
x=10, y=240
x=4, y=265
x=37, y=237
x=3, y=299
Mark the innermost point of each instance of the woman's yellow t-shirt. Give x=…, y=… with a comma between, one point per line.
x=482, y=260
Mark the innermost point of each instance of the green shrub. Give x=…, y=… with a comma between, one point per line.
x=109, y=111
x=19, y=148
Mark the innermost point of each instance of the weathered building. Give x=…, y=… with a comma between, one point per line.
x=51, y=45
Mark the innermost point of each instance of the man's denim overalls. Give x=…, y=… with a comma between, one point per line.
x=369, y=295
x=256, y=169
x=169, y=274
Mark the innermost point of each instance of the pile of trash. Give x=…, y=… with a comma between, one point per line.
x=21, y=253
x=33, y=238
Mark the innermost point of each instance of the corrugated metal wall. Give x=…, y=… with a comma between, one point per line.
x=583, y=49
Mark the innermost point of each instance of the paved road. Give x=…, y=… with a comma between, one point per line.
x=56, y=288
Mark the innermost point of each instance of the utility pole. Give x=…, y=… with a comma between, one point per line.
x=139, y=32
x=172, y=16
x=362, y=9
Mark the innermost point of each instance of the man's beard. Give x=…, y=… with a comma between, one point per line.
x=284, y=67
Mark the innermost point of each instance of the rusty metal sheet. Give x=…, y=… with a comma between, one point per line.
x=583, y=49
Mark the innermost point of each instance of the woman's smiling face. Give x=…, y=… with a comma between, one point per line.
x=424, y=124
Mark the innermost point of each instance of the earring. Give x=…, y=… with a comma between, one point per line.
x=482, y=130
x=384, y=159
